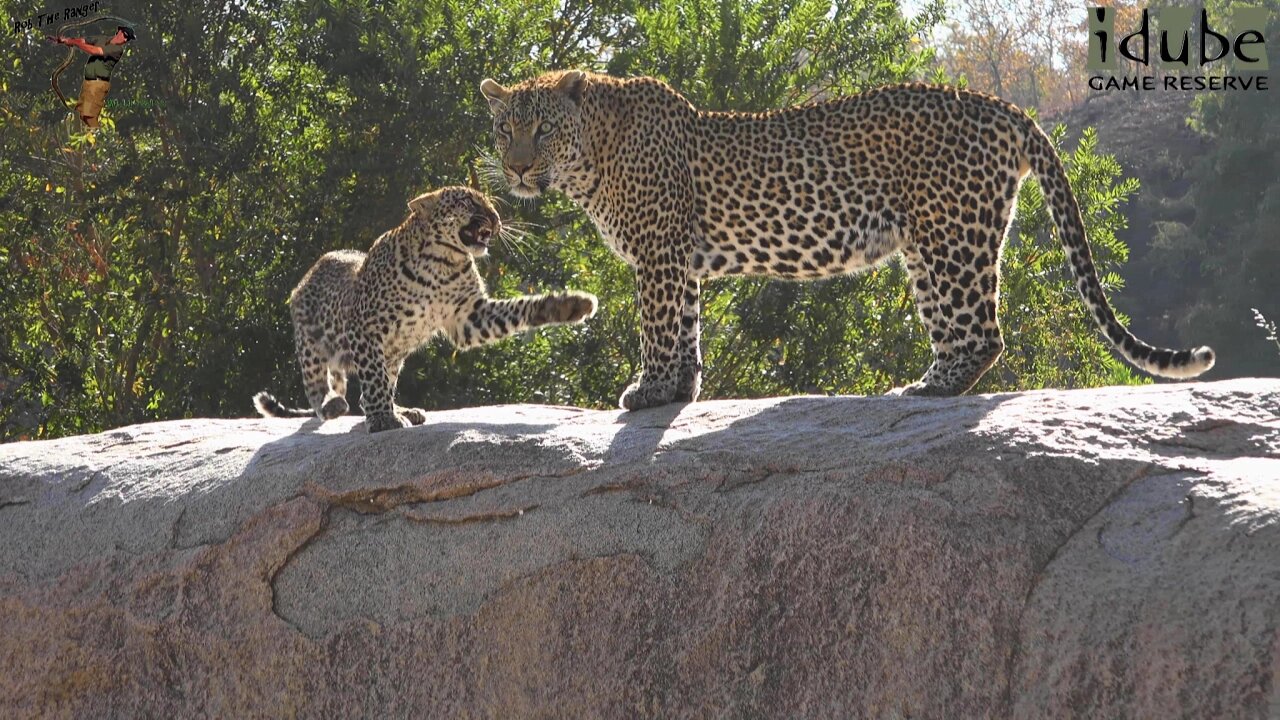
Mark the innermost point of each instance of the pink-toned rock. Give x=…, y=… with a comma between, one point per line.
x=1093, y=553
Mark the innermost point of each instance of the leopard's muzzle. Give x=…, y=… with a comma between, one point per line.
x=479, y=231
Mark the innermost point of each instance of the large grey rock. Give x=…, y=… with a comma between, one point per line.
x=1093, y=553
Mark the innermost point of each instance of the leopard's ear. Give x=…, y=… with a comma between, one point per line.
x=497, y=95
x=424, y=205
x=573, y=83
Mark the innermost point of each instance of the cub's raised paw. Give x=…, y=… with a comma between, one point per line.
x=386, y=421
x=415, y=416
x=571, y=307
x=581, y=306
x=643, y=395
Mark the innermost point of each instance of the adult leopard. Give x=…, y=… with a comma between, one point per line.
x=828, y=188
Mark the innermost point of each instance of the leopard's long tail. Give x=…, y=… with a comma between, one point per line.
x=1061, y=201
x=269, y=406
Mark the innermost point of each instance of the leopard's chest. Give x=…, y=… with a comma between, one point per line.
x=406, y=314
x=636, y=229
x=623, y=238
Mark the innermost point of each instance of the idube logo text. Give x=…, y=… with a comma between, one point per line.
x=1179, y=48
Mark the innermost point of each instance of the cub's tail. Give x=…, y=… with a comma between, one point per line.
x=269, y=406
x=1061, y=202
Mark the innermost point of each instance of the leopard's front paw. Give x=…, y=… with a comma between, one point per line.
x=415, y=416
x=645, y=394
x=690, y=384
x=571, y=307
x=386, y=421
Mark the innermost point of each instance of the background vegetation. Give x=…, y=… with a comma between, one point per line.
x=145, y=269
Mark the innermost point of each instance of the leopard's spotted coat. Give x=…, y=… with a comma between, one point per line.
x=834, y=187
x=367, y=313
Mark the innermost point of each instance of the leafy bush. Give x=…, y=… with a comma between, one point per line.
x=147, y=268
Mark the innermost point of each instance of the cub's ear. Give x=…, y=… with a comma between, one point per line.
x=573, y=84
x=424, y=204
x=497, y=95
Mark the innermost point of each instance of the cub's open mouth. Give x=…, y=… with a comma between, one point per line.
x=477, y=232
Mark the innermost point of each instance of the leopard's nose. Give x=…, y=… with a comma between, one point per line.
x=519, y=169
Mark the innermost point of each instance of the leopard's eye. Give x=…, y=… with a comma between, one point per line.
x=505, y=128
x=545, y=129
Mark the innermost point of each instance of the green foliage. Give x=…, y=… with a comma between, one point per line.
x=1225, y=255
x=752, y=55
x=147, y=268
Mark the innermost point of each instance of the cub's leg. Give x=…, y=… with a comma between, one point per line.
x=314, y=380
x=378, y=387
x=338, y=380
x=335, y=403
x=313, y=358
x=492, y=320
x=415, y=416
x=689, y=383
x=661, y=291
x=957, y=304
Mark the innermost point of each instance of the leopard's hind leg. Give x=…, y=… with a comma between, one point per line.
x=957, y=304
x=315, y=380
x=325, y=401
x=335, y=401
x=315, y=359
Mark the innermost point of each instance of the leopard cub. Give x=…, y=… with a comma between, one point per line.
x=367, y=312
